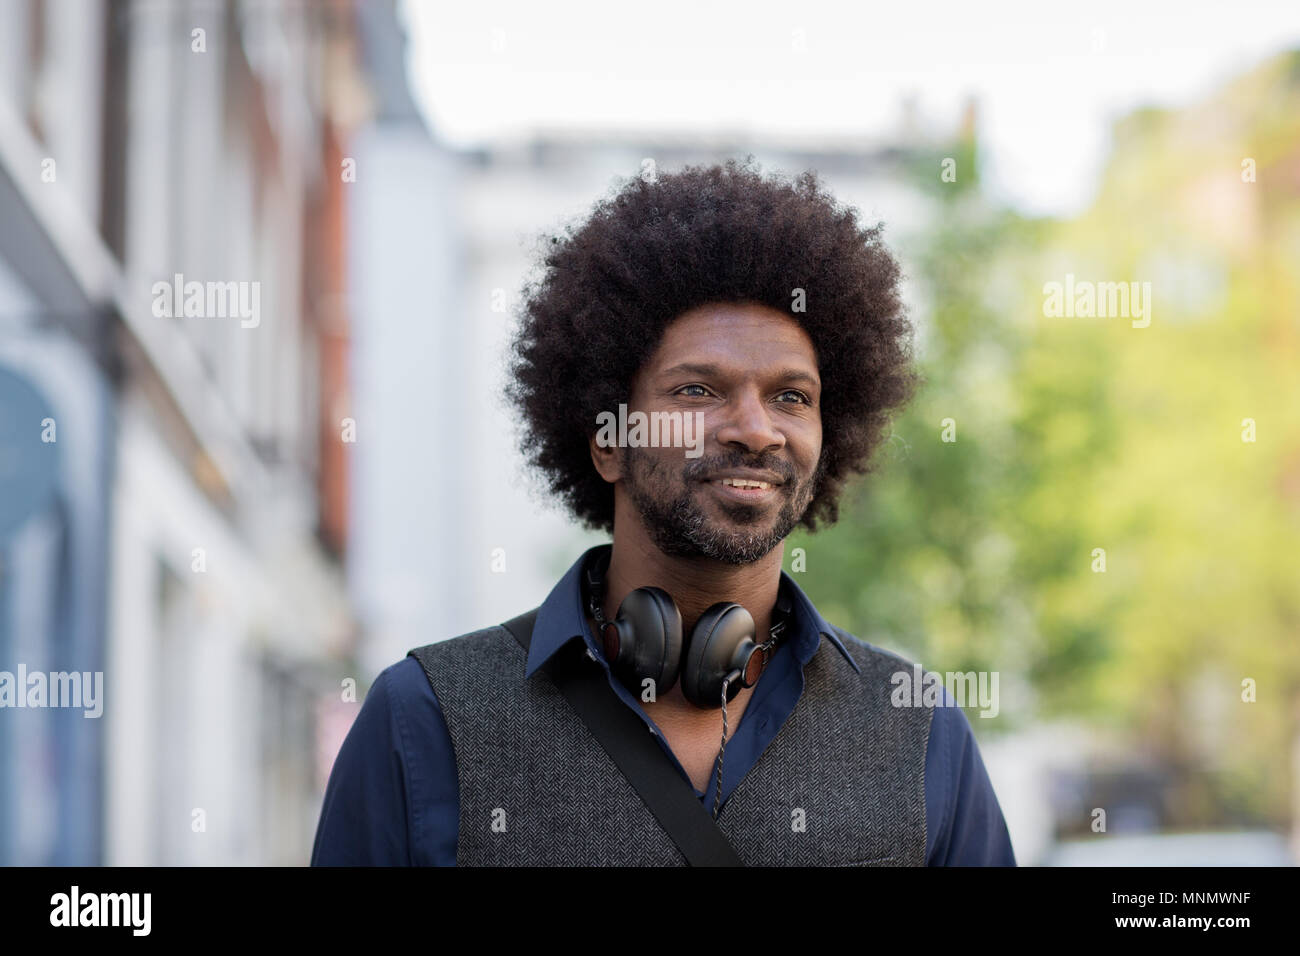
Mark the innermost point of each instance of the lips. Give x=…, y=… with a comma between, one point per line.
x=753, y=487
x=747, y=478
x=744, y=483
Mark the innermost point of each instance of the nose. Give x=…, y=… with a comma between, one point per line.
x=748, y=422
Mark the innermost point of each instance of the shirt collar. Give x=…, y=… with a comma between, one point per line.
x=562, y=617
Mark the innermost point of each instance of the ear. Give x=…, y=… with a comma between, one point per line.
x=608, y=460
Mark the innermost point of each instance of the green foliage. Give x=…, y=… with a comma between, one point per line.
x=1082, y=434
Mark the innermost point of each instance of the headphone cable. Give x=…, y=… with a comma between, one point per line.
x=722, y=751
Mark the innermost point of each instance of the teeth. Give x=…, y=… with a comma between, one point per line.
x=745, y=483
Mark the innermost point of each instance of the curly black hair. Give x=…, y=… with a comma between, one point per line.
x=661, y=246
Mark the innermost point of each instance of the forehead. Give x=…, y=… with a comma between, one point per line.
x=743, y=334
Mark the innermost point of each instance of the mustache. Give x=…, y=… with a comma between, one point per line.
x=698, y=469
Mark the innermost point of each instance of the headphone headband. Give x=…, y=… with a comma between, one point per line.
x=598, y=568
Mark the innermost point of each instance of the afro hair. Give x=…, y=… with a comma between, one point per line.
x=661, y=246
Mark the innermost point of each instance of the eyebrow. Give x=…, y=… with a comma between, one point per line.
x=713, y=371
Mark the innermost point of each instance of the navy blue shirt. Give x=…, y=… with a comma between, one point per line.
x=392, y=797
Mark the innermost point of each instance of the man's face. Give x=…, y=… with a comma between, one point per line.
x=752, y=374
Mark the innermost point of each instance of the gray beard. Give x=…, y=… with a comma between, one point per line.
x=679, y=528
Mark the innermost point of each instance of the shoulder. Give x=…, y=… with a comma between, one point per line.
x=861, y=685
x=366, y=814
x=862, y=650
x=878, y=667
x=410, y=727
x=964, y=822
x=485, y=643
x=391, y=799
x=400, y=707
x=400, y=683
x=908, y=685
x=474, y=672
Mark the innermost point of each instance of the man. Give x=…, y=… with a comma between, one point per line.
x=757, y=310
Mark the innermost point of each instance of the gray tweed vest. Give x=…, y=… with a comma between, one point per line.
x=841, y=784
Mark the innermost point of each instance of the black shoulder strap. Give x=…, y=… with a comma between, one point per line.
x=641, y=760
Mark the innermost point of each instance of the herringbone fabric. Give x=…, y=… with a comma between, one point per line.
x=842, y=783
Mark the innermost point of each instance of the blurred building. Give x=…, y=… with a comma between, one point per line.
x=173, y=468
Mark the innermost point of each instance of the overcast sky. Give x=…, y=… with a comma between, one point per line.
x=1048, y=76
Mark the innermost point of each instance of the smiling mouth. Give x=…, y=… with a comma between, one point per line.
x=743, y=490
x=745, y=483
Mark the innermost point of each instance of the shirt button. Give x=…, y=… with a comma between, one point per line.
x=590, y=654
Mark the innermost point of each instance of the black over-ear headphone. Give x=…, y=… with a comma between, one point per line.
x=645, y=641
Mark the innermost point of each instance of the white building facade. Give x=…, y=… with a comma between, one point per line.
x=181, y=534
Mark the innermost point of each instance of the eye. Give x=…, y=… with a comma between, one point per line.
x=702, y=391
x=798, y=396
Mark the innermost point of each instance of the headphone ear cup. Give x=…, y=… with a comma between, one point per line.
x=650, y=640
x=720, y=643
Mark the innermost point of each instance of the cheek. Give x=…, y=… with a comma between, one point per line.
x=658, y=464
x=809, y=449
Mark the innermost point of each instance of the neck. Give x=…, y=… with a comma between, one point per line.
x=695, y=583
